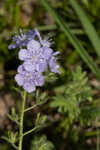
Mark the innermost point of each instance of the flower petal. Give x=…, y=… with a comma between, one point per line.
x=19, y=79
x=56, y=53
x=21, y=69
x=41, y=66
x=23, y=54
x=47, y=52
x=29, y=66
x=11, y=46
x=53, y=65
x=39, y=81
x=29, y=87
x=33, y=45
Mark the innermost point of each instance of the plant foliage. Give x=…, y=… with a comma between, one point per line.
x=74, y=96
x=41, y=143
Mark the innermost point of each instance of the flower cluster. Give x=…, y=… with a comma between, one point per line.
x=36, y=56
x=22, y=39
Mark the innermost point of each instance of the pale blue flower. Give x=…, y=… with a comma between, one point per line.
x=36, y=55
x=54, y=67
x=22, y=39
x=33, y=57
x=29, y=80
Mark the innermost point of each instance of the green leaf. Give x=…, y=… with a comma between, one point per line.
x=41, y=143
x=89, y=28
x=74, y=41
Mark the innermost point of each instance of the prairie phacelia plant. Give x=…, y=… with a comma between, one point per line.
x=37, y=57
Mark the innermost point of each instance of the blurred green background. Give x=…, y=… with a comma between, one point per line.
x=75, y=30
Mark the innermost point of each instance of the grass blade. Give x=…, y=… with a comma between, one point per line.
x=75, y=42
x=89, y=28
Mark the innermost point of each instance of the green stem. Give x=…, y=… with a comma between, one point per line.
x=32, y=130
x=32, y=107
x=21, y=122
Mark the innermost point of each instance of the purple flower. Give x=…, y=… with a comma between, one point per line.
x=29, y=80
x=54, y=67
x=47, y=52
x=36, y=56
x=33, y=57
x=22, y=39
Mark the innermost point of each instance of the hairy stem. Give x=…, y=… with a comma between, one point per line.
x=21, y=122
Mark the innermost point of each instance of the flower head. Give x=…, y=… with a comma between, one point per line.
x=36, y=56
x=22, y=39
x=29, y=80
x=33, y=57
